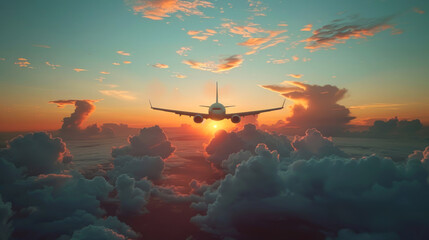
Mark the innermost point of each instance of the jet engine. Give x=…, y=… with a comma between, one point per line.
x=235, y=119
x=198, y=119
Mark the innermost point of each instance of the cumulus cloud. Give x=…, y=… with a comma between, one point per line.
x=160, y=65
x=338, y=31
x=137, y=167
x=123, y=53
x=5, y=214
x=132, y=199
x=120, y=94
x=36, y=153
x=332, y=197
x=160, y=9
x=313, y=144
x=79, y=70
x=224, y=143
x=83, y=110
x=392, y=128
x=315, y=106
x=224, y=65
x=151, y=141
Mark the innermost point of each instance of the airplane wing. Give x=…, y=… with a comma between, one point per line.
x=242, y=114
x=204, y=115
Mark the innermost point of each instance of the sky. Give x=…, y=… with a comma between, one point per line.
x=120, y=54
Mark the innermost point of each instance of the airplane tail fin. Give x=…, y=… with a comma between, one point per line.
x=217, y=93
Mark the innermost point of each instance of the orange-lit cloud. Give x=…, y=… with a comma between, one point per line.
x=79, y=70
x=126, y=62
x=295, y=58
x=224, y=65
x=339, y=31
x=160, y=65
x=116, y=63
x=201, y=35
x=104, y=72
x=2, y=59
x=295, y=75
x=183, y=51
x=123, y=53
x=419, y=11
x=192, y=32
x=41, y=46
x=307, y=28
x=100, y=79
x=160, y=9
x=180, y=76
x=257, y=43
x=53, y=66
x=282, y=25
x=22, y=62
x=202, y=38
x=314, y=106
x=379, y=105
x=120, y=94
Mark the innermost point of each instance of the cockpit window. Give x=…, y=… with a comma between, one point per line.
x=216, y=108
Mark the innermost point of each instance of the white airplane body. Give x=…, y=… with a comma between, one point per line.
x=217, y=112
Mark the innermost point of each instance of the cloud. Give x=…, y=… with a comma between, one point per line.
x=392, y=128
x=201, y=35
x=295, y=75
x=180, y=76
x=419, y=11
x=2, y=59
x=37, y=153
x=53, y=66
x=137, y=167
x=307, y=28
x=150, y=142
x=224, y=143
x=123, y=53
x=132, y=198
x=313, y=144
x=126, y=62
x=315, y=106
x=192, y=32
x=104, y=72
x=116, y=63
x=22, y=62
x=41, y=46
x=79, y=70
x=160, y=65
x=224, y=65
x=318, y=199
x=100, y=79
x=257, y=43
x=282, y=25
x=295, y=58
x=120, y=94
x=339, y=31
x=183, y=51
x=5, y=214
x=160, y=9
x=201, y=38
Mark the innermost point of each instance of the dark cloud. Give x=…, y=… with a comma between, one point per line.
x=223, y=144
x=315, y=107
x=372, y=197
x=34, y=154
x=5, y=214
x=340, y=30
x=133, y=197
x=137, y=167
x=394, y=128
x=150, y=142
x=313, y=144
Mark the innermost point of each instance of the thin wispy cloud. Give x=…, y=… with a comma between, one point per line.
x=180, y=76
x=379, y=105
x=105, y=72
x=79, y=70
x=341, y=30
x=295, y=75
x=100, y=79
x=278, y=61
x=126, y=62
x=160, y=9
x=307, y=28
x=116, y=63
x=418, y=10
x=224, y=64
x=2, y=59
x=295, y=58
x=41, y=46
x=160, y=65
x=120, y=94
x=202, y=35
x=53, y=66
x=123, y=53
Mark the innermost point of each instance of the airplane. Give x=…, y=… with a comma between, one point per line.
x=217, y=112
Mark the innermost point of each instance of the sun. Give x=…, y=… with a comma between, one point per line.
x=215, y=126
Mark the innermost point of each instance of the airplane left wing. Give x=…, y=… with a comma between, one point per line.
x=204, y=115
x=242, y=114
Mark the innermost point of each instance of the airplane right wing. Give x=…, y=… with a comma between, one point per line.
x=242, y=114
x=191, y=114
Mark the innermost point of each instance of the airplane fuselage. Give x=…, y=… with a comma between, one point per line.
x=217, y=111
